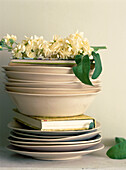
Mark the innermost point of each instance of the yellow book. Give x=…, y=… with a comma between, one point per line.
x=80, y=122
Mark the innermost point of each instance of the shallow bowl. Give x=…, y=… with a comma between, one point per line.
x=51, y=90
x=39, y=69
x=41, y=76
x=65, y=85
x=52, y=105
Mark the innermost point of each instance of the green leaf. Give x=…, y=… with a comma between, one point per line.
x=117, y=151
x=11, y=41
x=82, y=69
x=92, y=125
x=96, y=48
x=118, y=140
x=9, y=48
x=98, y=65
x=86, y=69
x=78, y=58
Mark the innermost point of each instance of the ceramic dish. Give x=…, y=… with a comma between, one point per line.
x=36, y=84
x=39, y=69
x=94, y=81
x=85, y=136
x=41, y=76
x=56, y=148
x=25, y=142
x=50, y=90
x=36, y=136
x=20, y=128
x=56, y=155
x=50, y=105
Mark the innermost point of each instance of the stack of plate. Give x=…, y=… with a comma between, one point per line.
x=54, y=145
x=45, y=90
x=50, y=91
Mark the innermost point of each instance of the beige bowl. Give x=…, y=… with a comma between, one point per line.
x=52, y=105
x=39, y=69
x=66, y=85
x=41, y=76
x=51, y=90
x=32, y=81
x=96, y=81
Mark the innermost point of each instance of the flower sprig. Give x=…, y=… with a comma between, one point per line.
x=35, y=47
x=74, y=47
x=7, y=42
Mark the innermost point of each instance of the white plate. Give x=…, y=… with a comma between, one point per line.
x=50, y=90
x=19, y=127
x=39, y=69
x=41, y=76
x=50, y=105
x=85, y=136
x=56, y=148
x=25, y=142
x=36, y=136
x=56, y=155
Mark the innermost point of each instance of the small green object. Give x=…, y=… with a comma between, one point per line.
x=92, y=125
x=11, y=41
x=82, y=69
x=78, y=58
x=96, y=48
x=117, y=151
x=98, y=65
x=118, y=140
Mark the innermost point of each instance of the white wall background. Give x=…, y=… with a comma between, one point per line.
x=103, y=23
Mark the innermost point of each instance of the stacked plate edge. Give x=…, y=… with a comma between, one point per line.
x=56, y=145
x=52, y=87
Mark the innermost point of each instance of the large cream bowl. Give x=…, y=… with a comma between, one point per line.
x=52, y=105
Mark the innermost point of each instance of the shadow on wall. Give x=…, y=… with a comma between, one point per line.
x=6, y=104
x=108, y=142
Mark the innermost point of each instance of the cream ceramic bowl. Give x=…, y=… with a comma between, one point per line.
x=52, y=105
x=32, y=81
x=39, y=69
x=41, y=76
x=51, y=90
x=39, y=81
x=65, y=85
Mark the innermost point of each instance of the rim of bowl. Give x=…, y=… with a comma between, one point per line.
x=34, y=94
x=39, y=81
x=43, y=82
x=54, y=89
x=65, y=68
x=47, y=74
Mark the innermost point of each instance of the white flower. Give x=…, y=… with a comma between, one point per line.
x=68, y=47
x=8, y=37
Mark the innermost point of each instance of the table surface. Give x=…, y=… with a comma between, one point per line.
x=96, y=160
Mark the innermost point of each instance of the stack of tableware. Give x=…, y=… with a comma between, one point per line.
x=50, y=91
x=54, y=145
